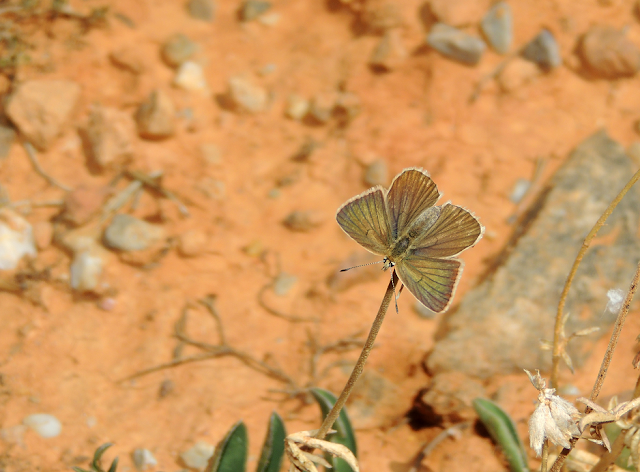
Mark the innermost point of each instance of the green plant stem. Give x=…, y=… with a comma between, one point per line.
x=357, y=370
x=557, y=333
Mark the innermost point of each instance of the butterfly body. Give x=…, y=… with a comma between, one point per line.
x=418, y=239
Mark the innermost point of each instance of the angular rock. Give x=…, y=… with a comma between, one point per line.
x=543, y=50
x=608, y=53
x=16, y=239
x=247, y=96
x=87, y=268
x=497, y=27
x=297, y=107
x=204, y=10
x=390, y=52
x=107, y=138
x=458, y=12
x=253, y=9
x=156, y=116
x=456, y=44
x=198, y=456
x=40, y=109
x=127, y=233
x=143, y=459
x=499, y=324
x=83, y=202
x=190, y=76
x=178, y=49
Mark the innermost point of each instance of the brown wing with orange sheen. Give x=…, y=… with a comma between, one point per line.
x=432, y=281
x=411, y=193
x=364, y=218
x=455, y=230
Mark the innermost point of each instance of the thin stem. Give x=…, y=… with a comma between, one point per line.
x=557, y=333
x=545, y=456
x=357, y=370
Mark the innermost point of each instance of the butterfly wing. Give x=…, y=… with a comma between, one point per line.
x=432, y=281
x=455, y=230
x=411, y=193
x=365, y=219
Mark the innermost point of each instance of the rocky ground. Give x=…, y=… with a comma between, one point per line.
x=163, y=161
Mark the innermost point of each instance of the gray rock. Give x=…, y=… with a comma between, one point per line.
x=107, y=137
x=504, y=318
x=198, y=456
x=178, y=49
x=543, y=50
x=87, y=268
x=127, y=233
x=520, y=189
x=40, y=109
x=16, y=239
x=156, y=116
x=201, y=9
x=143, y=458
x=497, y=27
x=283, y=283
x=47, y=426
x=456, y=44
x=247, y=96
x=608, y=53
x=190, y=76
x=7, y=137
x=253, y=9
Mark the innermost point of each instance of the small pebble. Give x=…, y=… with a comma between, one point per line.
x=347, y=107
x=198, y=456
x=178, y=49
x=608, y=53
x=128, y=59
x=201, y=9
x=390, y=52
x=108, y=138
x=156, y=116
x=497, y=26
x=43, y=234
x=247, y=96
x=107, y=303
x=166, y=387
x=82, y=203
x=517, y=73
x=87, y=268
x=322, y=107
x=297, y=107
x=378, y=16
x=456, y=44
x=253, y=9
x=190, y=76
x=143, y=458
x=16, y=239
x=376, y=173
x=127, y=233
x=192, y=243
x=7, y=138
x=543, y=50
x=269, y=19
x=520, y=189
x=303, y=221
x=47, y=426
x=254, y=249
x=284, y=283
x=211, y=153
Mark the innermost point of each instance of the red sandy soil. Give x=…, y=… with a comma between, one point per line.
x=68, y=357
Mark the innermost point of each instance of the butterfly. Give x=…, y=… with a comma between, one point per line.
x=418, y=239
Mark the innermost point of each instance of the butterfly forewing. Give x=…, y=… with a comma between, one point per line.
x=411, y=193
x=431, y=281
x=455, y=230
x=364, y=218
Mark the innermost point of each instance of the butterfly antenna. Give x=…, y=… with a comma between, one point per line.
x=361, y=265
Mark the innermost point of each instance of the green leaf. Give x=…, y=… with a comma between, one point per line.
x=344, y=434
x=95, y=464
x=231, y=452
x=502, y=431
x=273, y=448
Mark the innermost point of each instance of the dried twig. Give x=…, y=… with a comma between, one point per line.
x=31, y=152
x=152, y=182
x=279, y=314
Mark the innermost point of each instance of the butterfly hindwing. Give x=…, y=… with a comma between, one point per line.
x=432, y=281
x=455, y=230
x=411, y=193
x=365, y=219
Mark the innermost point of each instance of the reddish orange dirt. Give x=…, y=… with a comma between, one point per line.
x=68, y=357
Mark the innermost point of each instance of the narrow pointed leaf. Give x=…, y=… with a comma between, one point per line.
x=344, y=434
x=231, y=452
x=273, y=448
x=95, y=463
x=502, y=431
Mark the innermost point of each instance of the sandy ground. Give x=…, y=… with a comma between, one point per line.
x=68, y=357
